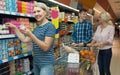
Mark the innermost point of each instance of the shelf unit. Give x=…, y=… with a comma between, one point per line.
x=10, y=14
x=15, y=57
x=16, y=14
x=7, y=36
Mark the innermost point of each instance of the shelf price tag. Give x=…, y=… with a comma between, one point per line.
x=5, y=60
x=25, y=54
x=28, y=15
x=13, y=13
x=22, y=14
x=7, y=12
x=16, y=57
x=1, y=11
x=29, y=73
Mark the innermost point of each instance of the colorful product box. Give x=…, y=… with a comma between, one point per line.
x=24, y=47
x=0, y=49
x=24, y=11
x=4, y=50
x=19, y=6
x=17, y=23
x=17, y=46
x=11, y=51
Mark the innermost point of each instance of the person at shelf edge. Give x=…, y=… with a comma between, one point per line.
x=42, y=38
x=103, y=38
x=83, y=30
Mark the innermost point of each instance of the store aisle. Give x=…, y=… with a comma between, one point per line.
x=115, y=63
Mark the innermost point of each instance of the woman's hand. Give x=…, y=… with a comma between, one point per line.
x=26, y=32
x=98, y=44
x=81, y=44
x=10, y=25
x=90, y=44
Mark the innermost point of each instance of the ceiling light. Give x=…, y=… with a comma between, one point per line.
x=116, y=23
x=56, y=2
x=96, y=10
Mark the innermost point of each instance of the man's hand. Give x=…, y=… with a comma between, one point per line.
x=81, y=44
x=74, y=44
x=26, y=32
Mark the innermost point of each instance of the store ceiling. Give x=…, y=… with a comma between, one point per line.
x=115, y=5
x=111, y=6
x=98, y=9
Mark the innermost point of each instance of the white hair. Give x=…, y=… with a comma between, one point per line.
x=105, y=16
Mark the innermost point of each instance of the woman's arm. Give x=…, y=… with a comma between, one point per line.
x=20, y=35
x=45, y=45
x=109, y=40
x=47, y=42
x=110, y=37
x=91, y=43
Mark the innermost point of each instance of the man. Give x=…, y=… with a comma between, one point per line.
x=82, y=32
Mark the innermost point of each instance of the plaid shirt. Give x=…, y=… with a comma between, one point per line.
x=82, y=32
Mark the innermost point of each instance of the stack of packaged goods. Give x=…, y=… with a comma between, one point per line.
x=3, y=29
x=25, y=7
x=3, y=51
x=22, y=66
x=11, y=5
x=19, y=67
x=9, y=48
x=2, y=5
x=18, y=22
x=0, y=50
x=17, y=46
x=25, y=22
x=13, y=21
x=13, y=46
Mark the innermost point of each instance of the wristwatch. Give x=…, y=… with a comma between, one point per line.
x=85, y=44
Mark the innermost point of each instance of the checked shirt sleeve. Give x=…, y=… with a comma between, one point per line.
x=89, y=33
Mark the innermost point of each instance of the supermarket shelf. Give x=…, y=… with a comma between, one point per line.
x=15, y=13
x=70, y=20
x=70, y=31
x=15, y=57
x=7, y=36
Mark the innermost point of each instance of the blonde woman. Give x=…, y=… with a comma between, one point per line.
x=42, y=38
x=103, y=38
